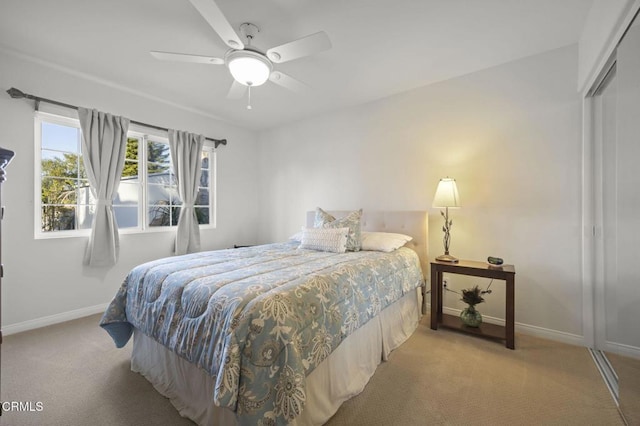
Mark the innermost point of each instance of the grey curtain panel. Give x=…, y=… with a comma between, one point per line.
x=186, y=155
x=104, y=144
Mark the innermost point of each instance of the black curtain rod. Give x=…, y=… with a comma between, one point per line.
x=19, y=94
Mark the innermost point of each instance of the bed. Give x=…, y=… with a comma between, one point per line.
x=271, y=334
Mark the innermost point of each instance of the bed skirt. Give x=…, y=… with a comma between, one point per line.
x=338, y=378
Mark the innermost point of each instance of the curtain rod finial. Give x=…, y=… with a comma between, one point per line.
x=16, y=94
x=220, y=142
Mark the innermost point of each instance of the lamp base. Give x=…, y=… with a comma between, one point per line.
x=447, y=258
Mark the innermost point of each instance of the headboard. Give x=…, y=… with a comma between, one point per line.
x=412, y=223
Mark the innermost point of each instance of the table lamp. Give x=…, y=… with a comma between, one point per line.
x=446, y=196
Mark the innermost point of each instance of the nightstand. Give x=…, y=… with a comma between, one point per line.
x=476, y=269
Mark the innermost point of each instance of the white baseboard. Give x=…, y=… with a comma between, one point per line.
x=559, y=336
x=52, y=319
x=532, y=330
x=622, y=349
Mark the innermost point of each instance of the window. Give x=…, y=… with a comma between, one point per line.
x=147, y=197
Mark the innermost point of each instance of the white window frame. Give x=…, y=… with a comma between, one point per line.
x=134, y=132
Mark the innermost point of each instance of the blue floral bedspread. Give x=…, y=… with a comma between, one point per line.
x=259, y=319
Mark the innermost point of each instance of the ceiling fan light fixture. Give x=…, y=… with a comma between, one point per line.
x=249, y=68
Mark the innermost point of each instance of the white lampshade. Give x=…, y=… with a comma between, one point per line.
x=446, y=194
x=249, y=68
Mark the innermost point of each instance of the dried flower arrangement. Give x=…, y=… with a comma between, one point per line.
x=472, y=296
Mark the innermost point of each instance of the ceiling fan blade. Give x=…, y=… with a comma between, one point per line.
x=288, y=82
x=184, y=57
x=214, y=16
x=304, y=46
x=237, y=90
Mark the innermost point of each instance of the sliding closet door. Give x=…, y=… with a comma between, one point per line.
x=617, y=298
x=628, y=221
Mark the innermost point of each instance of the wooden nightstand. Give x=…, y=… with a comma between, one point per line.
x=476, y=269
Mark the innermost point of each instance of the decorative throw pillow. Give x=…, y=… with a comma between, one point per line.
x=325, y=239
x=322, y=217
x=351, y=221
x=383, y=241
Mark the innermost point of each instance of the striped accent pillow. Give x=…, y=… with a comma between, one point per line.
x=325, y=239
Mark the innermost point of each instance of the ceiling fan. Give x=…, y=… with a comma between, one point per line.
x=248, y=65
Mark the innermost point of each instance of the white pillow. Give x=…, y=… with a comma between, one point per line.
x=383, y=241
x=325, y=239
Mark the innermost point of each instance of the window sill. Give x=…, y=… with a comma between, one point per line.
x=127, y=231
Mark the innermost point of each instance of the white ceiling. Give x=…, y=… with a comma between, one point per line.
x=380, y=47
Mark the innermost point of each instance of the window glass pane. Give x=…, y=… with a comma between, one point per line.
x=204, y=178
x=158, y=152
x=205, y=159
x=58, y=218
x=159, y=172
x=127, y=194
x=159, y=215
x=131, y=163
x=202, y=213
x=53, y=155
x=175, y=214
x=130, y=170
x=163, y=178
x=163, y=215
x=203, y=197
x=58, y=191
x=61, y=138
x=132, y=149
x=126, y=217
x=61, y=164
x=175, y=198
x=159, y=194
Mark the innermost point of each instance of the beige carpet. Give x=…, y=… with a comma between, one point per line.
x=436, y=378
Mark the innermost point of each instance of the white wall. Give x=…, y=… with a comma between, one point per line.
x=510, y=135
x=44, y=279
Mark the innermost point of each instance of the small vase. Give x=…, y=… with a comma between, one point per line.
x=470, y=317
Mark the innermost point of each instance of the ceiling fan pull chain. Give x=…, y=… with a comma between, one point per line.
x=249, y=98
